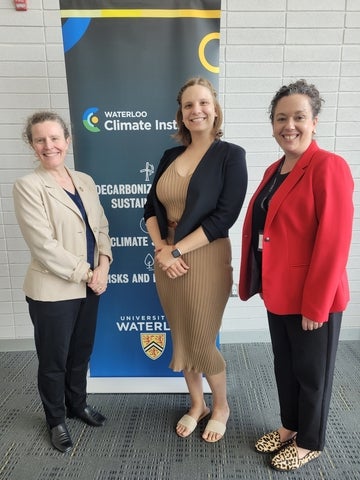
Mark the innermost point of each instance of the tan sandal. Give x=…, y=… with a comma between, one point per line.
x=216, y=427
x=190, y=423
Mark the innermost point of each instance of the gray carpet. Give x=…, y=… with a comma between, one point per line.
x=139, y=442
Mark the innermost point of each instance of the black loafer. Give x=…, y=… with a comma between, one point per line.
x=60, y=438
x=89, y=416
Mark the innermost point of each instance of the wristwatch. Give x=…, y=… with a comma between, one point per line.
x=176, y=253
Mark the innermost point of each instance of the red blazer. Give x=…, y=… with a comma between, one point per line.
x=307, y=237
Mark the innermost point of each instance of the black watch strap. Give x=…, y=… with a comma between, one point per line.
x=176, y=253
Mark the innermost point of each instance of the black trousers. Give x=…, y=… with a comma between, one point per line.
x=304, y=364
x=64, y=337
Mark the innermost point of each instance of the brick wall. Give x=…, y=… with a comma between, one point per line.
x=263, y=45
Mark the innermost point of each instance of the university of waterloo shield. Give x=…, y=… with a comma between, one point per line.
x=153, y=344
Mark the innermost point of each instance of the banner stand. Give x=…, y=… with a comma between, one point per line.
x=125, y=63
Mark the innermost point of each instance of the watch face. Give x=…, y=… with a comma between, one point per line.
x=175, y=253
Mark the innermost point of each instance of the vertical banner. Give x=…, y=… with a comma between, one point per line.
x=125, y=63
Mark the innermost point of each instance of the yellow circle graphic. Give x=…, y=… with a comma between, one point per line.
x=203, y=43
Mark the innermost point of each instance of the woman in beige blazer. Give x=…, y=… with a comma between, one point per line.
x=66, y=230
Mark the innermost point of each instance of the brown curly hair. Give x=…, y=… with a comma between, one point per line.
x=300, y=87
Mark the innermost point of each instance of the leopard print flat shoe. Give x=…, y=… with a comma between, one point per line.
x=271, y=443
x=288, y=459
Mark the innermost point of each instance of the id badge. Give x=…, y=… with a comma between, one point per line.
x=260, y=241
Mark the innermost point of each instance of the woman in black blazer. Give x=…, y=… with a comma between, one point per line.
x=196, y=196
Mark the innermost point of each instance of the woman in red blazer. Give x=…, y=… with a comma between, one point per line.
x=295, y=246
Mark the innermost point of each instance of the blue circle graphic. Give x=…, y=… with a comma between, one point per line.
x=73, y=30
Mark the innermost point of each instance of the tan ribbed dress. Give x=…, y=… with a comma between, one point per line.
x=194, y=303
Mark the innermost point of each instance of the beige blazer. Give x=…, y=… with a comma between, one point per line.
x=55, y=233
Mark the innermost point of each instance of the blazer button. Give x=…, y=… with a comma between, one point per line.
x=267, y=239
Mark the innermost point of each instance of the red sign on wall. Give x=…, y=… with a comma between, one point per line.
x=21, y=5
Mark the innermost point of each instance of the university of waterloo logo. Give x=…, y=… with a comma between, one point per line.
x=153, y=344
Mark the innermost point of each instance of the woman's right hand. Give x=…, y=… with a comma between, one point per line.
x=166, y=261
x=308, y=324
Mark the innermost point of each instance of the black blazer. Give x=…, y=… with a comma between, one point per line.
x=215, y=195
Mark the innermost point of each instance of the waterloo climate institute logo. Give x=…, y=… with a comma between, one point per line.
x=90, y=119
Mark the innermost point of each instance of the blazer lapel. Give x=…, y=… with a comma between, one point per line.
x=294, y=177
x=55, y=190
x=283, y=191
x=82, y=188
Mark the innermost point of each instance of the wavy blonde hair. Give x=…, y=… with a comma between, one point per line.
x=183, y=134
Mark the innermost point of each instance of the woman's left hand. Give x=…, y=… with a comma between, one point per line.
x=99, y=279
x=308, y=324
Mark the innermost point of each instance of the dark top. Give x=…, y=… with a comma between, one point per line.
x=215, y=195
x=260, y=210
x=90, y=240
